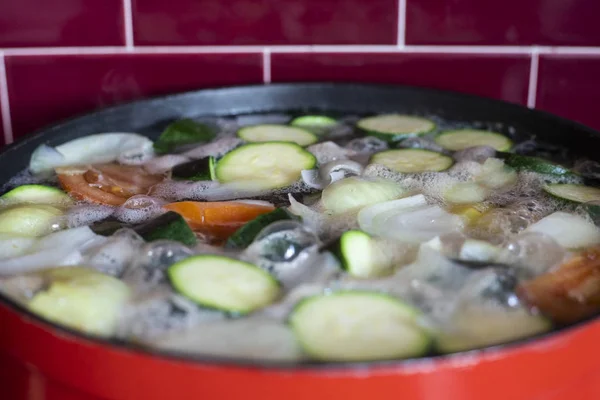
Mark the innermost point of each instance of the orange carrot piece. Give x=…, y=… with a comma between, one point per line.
x=218, y=219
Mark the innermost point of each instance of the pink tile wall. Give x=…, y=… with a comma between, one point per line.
x=504, y=77
x=74, y=56
x=507, y=22
x=264, y=22
x=58, y=86
x=27, y=23
x=569, y=86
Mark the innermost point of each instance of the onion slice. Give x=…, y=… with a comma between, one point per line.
x=410, y=220
x=57, y=249
x=127, y=148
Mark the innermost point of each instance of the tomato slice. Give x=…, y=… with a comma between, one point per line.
x=219, y=219
x=109, y=184
x=569, y=293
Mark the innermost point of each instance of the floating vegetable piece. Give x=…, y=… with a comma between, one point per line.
x=318, y=124
x=461, y=139
x=569, y=230
x=567, y=294
x=332, y=171
x=478, y=327
x=351, y=194
x=12, y=245
x=495, y=174
x=412, y=160
x=108, y=184
x=245, y=235
x=169, y=226
x=29, y=220
x=358, y=326
x=56, y=249
x=219, y=220
x=248, y=338
x=465, y=193
x=534, y=164
x=196, y=170
x=395, y=127
x=574, y=193
x=402, y=219
x=36, y=194
x=93, y=149
x=277, y=133
x=182, y=132
x=223, y=283
x=265, y=165
x=364, y=256
x=83, y=299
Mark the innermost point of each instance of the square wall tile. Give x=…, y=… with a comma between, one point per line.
x=504, y=77
x=270, y=22
x=508, y=22
x=27, y=23
x=569, y=86
x=45, y=89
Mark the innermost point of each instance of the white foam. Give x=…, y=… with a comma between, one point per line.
x=216, y=148
x=329, y=151
x=87, y=214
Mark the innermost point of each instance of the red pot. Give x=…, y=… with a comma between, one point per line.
x=40, y=362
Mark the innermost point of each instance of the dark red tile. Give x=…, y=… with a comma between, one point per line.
x=508, y=22
x=569, y=86
x=26, y=23
x=44, y=89
x=254, y=22
x=499, y=76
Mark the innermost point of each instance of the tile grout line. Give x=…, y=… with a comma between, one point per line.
x=266, y=61
x=401, y=38
x=432, y=49
x=4, y=102
x=128, y=24
x=533, y=78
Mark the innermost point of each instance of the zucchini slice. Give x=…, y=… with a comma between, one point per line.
x=574, y=193
x=357, y=326
x=268, y=165
x=83, y=299
x=169, y=226
x=314, y=123
x=30, y=220
x=395, y=127
x=277, y=133
x=183, y=132
x=534, y=164
x=461, y=139
x=245, y=235
x=223, y=283
x=195, y=170
x=412, y=160
x=360, y=255
x=36, y=194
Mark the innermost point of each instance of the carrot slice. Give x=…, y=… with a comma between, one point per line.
x=109, y=184
x=219, y=219
x=569, y=293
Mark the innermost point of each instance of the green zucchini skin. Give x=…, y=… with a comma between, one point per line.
x=245, y=235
